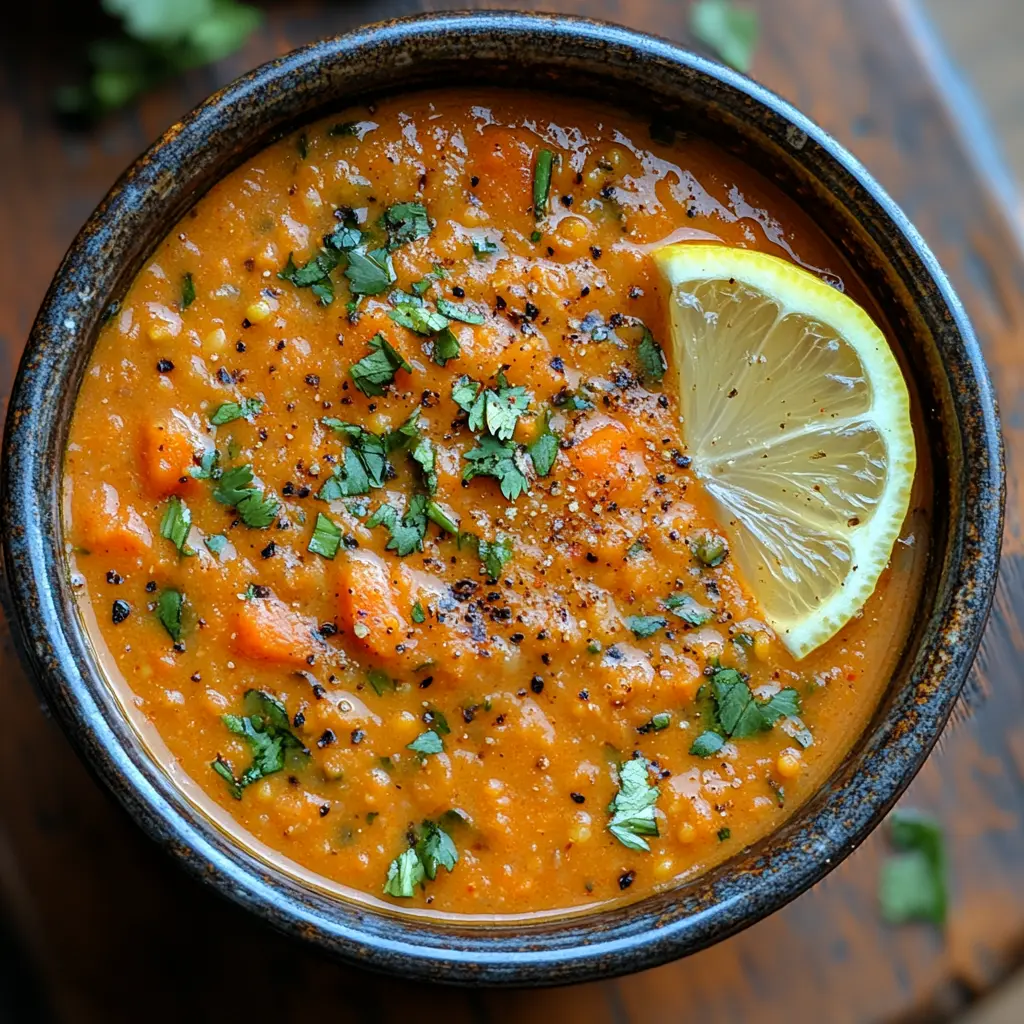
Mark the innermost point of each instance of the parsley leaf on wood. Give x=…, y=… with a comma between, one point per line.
x=543, y=448
x=176, y=523
x=729, y=30
x=913, y=885
x=231, y=411
x=408, y=530
x=326, y=537
x=505, y=461
x=168, y=611
x=632, y=809
x=375, y=371
x=643, y=626
x=266, y=728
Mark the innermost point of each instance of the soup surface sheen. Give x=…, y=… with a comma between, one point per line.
x=492, y=682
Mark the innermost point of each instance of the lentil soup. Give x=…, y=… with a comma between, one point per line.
x=383, y=526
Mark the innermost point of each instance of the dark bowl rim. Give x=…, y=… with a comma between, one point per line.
x=579, y=951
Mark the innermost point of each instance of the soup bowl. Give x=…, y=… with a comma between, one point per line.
x=649, y=77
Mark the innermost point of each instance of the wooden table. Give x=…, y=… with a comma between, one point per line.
x=102, y=928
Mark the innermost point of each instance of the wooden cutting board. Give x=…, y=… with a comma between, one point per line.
x=100, y=927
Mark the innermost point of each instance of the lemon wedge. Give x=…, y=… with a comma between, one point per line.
x=797, y=419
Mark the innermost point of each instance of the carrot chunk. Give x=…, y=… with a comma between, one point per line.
x=269, y=631
x=100, y=523
x=366, y=607
x=610, y=459
x=166, y=455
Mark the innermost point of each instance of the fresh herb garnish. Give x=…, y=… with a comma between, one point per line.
x=709, y=549
x=425, y=457
x=418, y=614
x=632, y=809
x=188, y=291
x=380, y=681
x=657, y=723
x=326, y=537
x=542, y=183
x=404, y=873
x=231, y=411
x=446, y=346
x=651, y=358
x=912, y=886
x=176, y=523
x=217, y=543
x=427, y=743
x=443, y=517
x=208, y=466
x=503, y=460
x=168, y=611
x=434, y=849
x=706, y=744
x=543, y=449
x=483, y=246
x=739, y=714
x=643, y=626
x=316, y=274
x=369, y=273
x=266, y=728
x=405, y=222
x=494, y=555
x=462, y=313
x=235, y=488
x=374, y=372
x=408, y=530
x=497, y=409
x=418, y=318
x=730, y=31
x=692, y=613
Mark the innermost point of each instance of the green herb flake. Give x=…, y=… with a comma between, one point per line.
x=542, y=183
x=315, y=275
x=418, y=614
x=730, y=31
x=543, y=449
x=176, y=523
x=498, y=409
x=168, y=612
x=709, y=548
x=427, y=743
x=405, y=222
x=913, y=885
x=483, y=247
x=687, y=609
x=632, y=810
x=446, y=347
x=643, y=626
x=707, y=744
x=188, y=291
x=651, y=359
x=404, y=873
x=418, y=318
x=433, y=849
x=408, y=530
x=503, y=460
x=217, y=543
x=739, y=714
x=235, y=488
x=724, y=834
x=462, y=313
x=231, y=411
x=443, y=517
x=424, y=456
x=375, y=371
x=369, y=273
x=326, y=537
x=380, y=681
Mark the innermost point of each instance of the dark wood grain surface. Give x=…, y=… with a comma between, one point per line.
x=110, y=931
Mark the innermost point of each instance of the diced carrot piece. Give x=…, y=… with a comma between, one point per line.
x=166, y=449
x=366, y=606
x=268, y=630
x=100, y=523
x=610, y=459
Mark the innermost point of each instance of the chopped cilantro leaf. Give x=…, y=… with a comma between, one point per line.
x=464, y=393
x=418, y=318
x=326, y=537
x=505, y=461
x=494, y=555
x=483, y=246
x=692, y=613
x=913, y=886
x=315, y=274
x=651, y=359
x=427, y=743
x=347, y=235
x=644, y=626
x=446, y=346
x=418, y=614
x=443, y=517
x=543, y=448
x=235, y=487
x=424, y=456
x=230, y=411
x=217, y=543
x=498, y=408
x=784, y=704
x=207, y=468
x=176, y=523
x=404, y=873
x=405, y=222
x=349, y=479
x=739, y=714
x=709, y=549
x=168, y=611
x=730, y=30
x=188, y=291
x=455, y=311
x=633, y=807
x=706, y=744
x=408, y=530
x=375, y=371
x=542, y=183
x=436, y=849
x=380, y=681
x=369, y=273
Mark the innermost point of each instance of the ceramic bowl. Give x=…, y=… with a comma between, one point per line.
x=649, y=77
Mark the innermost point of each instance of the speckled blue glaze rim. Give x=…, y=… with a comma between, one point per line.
x=636, y=72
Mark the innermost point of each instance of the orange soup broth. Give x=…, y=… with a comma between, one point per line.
x=544, y=688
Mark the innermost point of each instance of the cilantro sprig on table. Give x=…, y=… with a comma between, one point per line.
x=266, y=728
x=913, y=885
